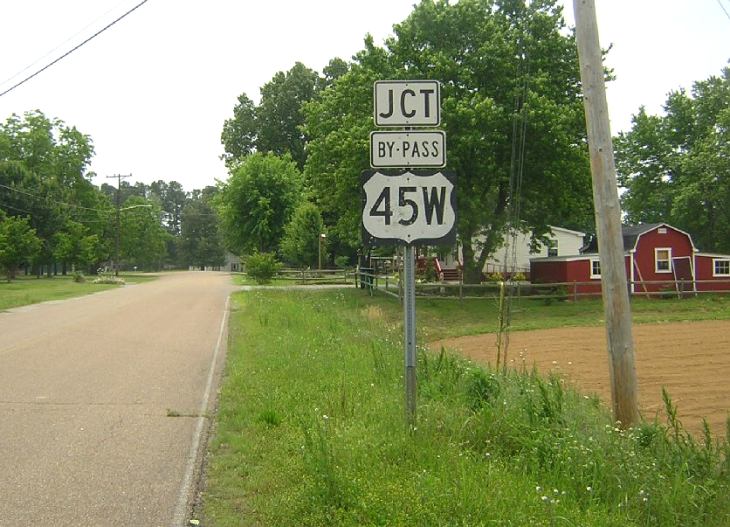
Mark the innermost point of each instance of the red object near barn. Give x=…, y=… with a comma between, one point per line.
x=659, y=258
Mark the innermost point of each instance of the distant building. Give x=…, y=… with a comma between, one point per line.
x=517, y=251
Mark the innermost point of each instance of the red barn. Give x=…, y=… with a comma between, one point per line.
x=657, y=256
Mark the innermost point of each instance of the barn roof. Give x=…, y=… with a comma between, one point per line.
x=630, y=234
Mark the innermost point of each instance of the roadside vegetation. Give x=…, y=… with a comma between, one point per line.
x=31, y=290
x=311, y=428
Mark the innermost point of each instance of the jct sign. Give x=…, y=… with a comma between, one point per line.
x=411, y=206
x=407, y=103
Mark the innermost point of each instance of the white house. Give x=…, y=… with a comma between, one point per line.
x=516, y=250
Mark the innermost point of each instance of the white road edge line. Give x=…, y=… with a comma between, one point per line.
x=182, y=501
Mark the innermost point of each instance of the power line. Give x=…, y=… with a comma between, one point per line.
x=723, y=8
x=59, y=46
x=14, y=208
x=29, y=77
x=43, y=198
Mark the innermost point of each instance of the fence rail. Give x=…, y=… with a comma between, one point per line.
x=390, y=285
x=317, y=276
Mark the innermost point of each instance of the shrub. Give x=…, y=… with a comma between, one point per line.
x=79, y=277
x=342, y=261
x=262, y=267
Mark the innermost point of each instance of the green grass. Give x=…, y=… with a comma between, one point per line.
x=31, y=290
x=445, y=318
x=310, y=432
x=243, y=279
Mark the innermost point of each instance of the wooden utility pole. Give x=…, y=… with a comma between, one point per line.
x=118, y=177
x=608, y=218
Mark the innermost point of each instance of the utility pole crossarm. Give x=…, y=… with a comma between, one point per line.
x=614, y=285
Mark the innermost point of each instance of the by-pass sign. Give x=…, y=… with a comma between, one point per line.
x=412, y=206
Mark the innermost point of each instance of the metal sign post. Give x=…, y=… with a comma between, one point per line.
x=409, y=310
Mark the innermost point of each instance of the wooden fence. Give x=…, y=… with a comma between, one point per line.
x=390, y=285
x=317, y=276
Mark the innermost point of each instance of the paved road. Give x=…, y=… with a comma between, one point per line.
x=87, y=387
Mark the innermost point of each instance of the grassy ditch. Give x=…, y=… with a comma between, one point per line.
x=31, y=290
x=310, y=431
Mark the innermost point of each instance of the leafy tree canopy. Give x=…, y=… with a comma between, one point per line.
x=304, y=242
x=200, y=242
x=257, y=202
x=676, y=167
x=275, y=125
x=18, y=243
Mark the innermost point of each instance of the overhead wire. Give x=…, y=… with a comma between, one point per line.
x=44, y=198
x=56, y=48
x=44, y=68
x=517, y=166
x=727, y=14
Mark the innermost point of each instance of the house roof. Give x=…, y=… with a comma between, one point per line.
x=630, y=235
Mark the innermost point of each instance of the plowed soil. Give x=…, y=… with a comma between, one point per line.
x=692, y=360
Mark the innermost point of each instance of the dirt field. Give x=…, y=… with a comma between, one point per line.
x=692, y=360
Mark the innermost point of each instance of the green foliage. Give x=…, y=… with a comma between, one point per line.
x=18, y=244
x=342, y=261
x=75, y=245
x=311, y=431
x=43, y=176
x=275, y=125
x=240, y=132
x=142, y=236
x=200, y=243
x=257, y=202
x=303, y=244
x=262, y=267
x=279, y=116
x=676, y=167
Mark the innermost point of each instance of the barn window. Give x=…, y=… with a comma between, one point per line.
x=663, y=260
x=721, y=267
x=662, y=230
x=552, y=247
x=595, y=268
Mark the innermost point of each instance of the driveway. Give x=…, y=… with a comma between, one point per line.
x=102, y=402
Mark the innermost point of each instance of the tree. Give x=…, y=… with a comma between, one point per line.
x=257, y=201
x=302, y=244
x=200, y=242
x=43, y=166
x=275, y=125
x=142, y=242
x=240, y=132
x=75, y=245
x=19, y=244
x=512, y=111
x=676, y=167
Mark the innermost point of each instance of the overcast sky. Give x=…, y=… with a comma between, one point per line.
x=153, y=91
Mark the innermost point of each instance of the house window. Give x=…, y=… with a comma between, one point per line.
x=721, y=267
x=662, y=260
x=595, y=268
x=552, y=247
